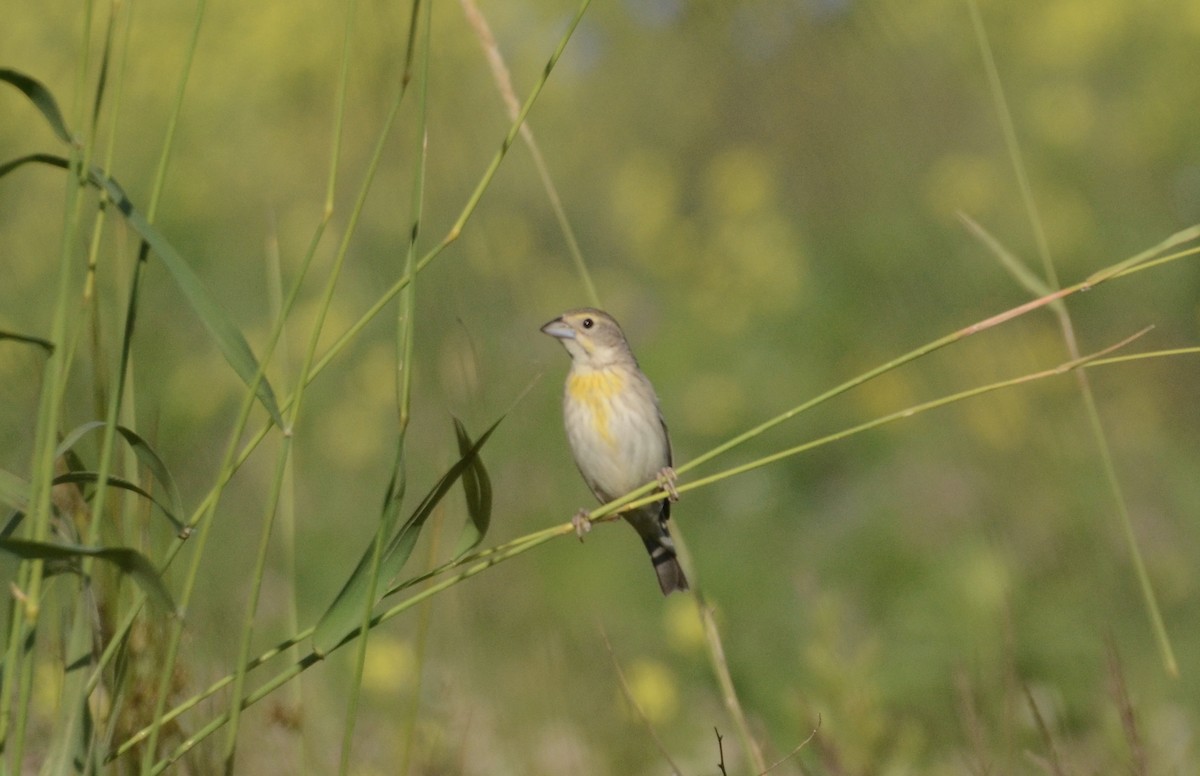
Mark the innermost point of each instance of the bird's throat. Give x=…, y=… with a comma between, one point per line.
x=594, y=389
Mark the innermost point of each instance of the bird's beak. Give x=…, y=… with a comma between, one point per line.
x=559, y=328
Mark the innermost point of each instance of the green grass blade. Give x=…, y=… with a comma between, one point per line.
x=130, y=561
x=510, y=550
x=151, y=460
x=1023, y=274
x=1068, y=330
x=351, y=599
x=123, y=484
x=1179, y=238
x=148, y=458
x=228, y=337
x=401, y=546
x=72, y=437
x=477, y=487
x=46, y=345
x=51, y=159
x=344, y=615
x=41, y=97
x=14, y=491
x=504, y=85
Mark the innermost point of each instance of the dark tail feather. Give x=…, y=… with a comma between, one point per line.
x=666, y=565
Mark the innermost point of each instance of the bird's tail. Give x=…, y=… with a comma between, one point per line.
x=666, y=564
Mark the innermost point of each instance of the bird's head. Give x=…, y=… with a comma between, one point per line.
x=591, y=336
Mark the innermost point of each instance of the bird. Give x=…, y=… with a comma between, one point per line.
x=616, y=431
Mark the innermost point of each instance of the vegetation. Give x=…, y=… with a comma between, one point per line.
x=284, y=484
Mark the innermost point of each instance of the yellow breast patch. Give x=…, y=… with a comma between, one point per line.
x=594, y=390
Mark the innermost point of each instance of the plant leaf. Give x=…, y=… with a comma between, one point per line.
x=41, y=97
x=228, y=337
x=45, y=344
x=344, y=615
x=14, y=491
x=123, y=484
x=130, y=561
x=145, y=453
x=477, y=487
x=1017, y=268
x=148, y=458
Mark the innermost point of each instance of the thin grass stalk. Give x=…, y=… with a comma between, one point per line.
x=758, y=463
x=351, y=332
x=538, y=537
x=519, y=545
x=283, y=462
x=503, y=79
x=260, y=564
x=405, y=325
x=729, y=696
x=339, y=120
x=77, y=606
x=19, y=663
x=310, y=374
x=1149, y=598
x=468, y=209
x=80, y=642
x=283, y=459
x=627, y=691
x=287, y=503
x=1013, y=145
x=1146, y=260
x=424, y=618
x=1022, y=274
x=127, y=415
x=608, y=511
x=311, y=658
x=160, y=177
x=199, y=545
x=228, y=471
x=1100, y=437
x=1169, y=352
x=343, y=249
x=164, y=159
x=484, y=560
x=795, y=750
x=716, y=658
x=406, y=314
x=12, y=657
x=1123, y=269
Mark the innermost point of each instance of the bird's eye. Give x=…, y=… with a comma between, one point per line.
x=588, y=323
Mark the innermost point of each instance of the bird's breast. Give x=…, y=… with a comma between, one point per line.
x=614, y=428
x=593, y=394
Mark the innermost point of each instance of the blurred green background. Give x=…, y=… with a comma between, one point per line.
x=766, y=193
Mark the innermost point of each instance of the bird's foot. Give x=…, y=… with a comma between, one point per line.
x=582, y=523
x=666, y=481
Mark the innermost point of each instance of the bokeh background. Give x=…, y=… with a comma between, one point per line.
x=766, y=193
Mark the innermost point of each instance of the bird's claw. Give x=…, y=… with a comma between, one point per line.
x=666, y=480
x=582, y=523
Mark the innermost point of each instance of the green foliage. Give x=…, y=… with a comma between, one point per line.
x=477, y=488
x=343, y=616
x=130, y=562
x=955, y=555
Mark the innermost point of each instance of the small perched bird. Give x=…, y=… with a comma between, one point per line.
x=616, y=431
